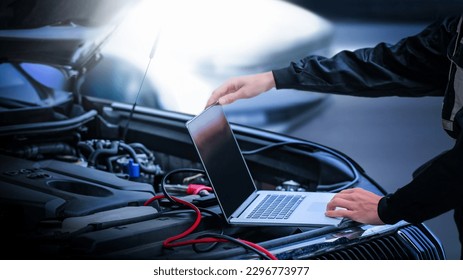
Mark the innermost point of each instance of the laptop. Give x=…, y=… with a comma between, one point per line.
x=238, y=197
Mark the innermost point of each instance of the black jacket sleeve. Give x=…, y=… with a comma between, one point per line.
x=435, y=190
x=415, y=66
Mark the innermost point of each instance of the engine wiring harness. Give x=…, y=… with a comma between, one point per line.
x=133, y=161
x=174, y=241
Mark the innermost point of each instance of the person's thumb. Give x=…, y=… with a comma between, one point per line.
x=231, y=97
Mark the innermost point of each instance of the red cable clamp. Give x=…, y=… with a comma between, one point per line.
x=196, y=188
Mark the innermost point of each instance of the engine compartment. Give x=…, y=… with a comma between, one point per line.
x=68, y=192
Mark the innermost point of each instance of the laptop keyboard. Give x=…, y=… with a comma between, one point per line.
x=275, y=206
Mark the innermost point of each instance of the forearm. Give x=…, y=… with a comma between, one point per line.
x=416, y=66
x=436, y=190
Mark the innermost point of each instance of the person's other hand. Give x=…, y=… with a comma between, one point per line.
x=356, y=204
x=242, y=87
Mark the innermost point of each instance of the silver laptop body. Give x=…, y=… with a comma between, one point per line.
x=234, y=186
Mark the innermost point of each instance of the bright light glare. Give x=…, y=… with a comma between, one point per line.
x=204, y=42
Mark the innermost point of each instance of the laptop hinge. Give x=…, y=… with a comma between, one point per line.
x=239, y=211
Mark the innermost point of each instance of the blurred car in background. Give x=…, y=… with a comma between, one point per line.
x=198, y=48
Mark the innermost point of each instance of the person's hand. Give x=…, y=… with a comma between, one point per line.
x=242, y=87
x=356, y=204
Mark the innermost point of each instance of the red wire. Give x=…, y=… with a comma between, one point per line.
x=169, y=242
x=260, y=248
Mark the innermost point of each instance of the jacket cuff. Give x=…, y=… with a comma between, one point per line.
x=386, y=213
x=284, y=78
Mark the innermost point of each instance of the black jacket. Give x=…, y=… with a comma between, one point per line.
x=427, y=64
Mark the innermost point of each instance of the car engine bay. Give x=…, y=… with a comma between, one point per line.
x=69, y=193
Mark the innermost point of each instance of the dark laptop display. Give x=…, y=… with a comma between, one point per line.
x=222, y=159
x=234, y=186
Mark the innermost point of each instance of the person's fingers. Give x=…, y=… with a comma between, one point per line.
x=336, y=202
x=340, y=199
x=232, y=96
x=218, y=93
x=242, y=87
x=339, y=213
x=356, y=204
x=210, y=101
x=355, y=194
x=349, y=190
x=227, y=99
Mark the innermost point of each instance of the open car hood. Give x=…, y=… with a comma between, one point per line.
x=62, y=32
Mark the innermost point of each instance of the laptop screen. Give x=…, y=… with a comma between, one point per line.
x=221, y=158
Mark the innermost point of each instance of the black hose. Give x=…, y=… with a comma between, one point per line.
x=142, y=147
x=33, y=151
x=86, y=146
x=112, y=150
